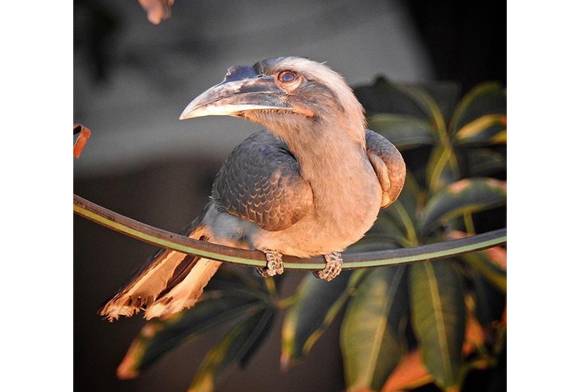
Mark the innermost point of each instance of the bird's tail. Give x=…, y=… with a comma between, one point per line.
x=170, y=282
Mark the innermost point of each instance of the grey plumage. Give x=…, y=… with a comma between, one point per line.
x=389, y=167
x=260, y=182
x=312, y=183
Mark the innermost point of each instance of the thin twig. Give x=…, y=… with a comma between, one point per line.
x=169, y=240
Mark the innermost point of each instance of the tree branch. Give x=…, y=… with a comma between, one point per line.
x=169, y=240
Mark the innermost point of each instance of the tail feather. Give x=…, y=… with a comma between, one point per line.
x=171, y=282
x=186, y=293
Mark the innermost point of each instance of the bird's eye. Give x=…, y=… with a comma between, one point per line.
x=287, y=76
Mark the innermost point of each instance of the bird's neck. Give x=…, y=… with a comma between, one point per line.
x=345, y=189
x=331, y=160
x=317, y=150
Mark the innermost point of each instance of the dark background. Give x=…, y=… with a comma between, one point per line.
x=132, y=79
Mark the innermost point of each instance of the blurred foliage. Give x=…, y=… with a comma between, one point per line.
x=404, y=326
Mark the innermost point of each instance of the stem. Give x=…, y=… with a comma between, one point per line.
x=468, y=221
x=284, y=303
x=407, y=222
x=180, y=243
x=271, y=286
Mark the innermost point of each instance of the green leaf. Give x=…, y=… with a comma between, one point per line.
x=371, y=336
x=402, y=214
x=399, y=220
x=161, y=336
x=385, y=97
x=481, y=262
x=317, y=306
x=483, y=161
x=263, y=332
x=487, y=129
x=398, y=212
x=429, y=107
x=438, y=319
x=445, y=93
x=405, y=132
x=442, y=168
x=389, y=228
x=489, y=301
x=233, y=347
x=464, y=196
x=412, y=196
x=486, y=98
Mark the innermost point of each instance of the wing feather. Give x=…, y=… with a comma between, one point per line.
x=261, y=182
x=388, y=164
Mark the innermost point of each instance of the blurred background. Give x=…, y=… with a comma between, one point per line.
x=133, y=78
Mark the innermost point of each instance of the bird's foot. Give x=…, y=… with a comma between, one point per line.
x=332, y=268
x=275, y=265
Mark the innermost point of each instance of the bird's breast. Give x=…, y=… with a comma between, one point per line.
x=347, y=206
x=346, y=202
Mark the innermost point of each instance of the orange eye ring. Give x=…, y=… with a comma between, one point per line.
x=287, y=77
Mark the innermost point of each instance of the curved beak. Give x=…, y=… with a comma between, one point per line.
x=242, y=90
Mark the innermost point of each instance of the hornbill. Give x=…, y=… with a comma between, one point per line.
x=311, y=183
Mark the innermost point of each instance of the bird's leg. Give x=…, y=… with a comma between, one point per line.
x=332, y=268
x=275, y=266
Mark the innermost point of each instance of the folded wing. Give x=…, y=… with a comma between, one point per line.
x=388, y=164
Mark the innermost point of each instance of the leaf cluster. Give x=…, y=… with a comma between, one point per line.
x=400, y=326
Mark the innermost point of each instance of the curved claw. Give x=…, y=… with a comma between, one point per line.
x=333, y=267
x=275, y=265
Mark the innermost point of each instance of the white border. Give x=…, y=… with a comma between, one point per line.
x=36, y=174
x=543, y=221
x=543, y=196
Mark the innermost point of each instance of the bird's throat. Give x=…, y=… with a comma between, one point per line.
x=319, y=149
x=336, y=166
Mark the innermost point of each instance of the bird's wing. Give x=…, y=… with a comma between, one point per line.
x=388, y=164
x=261, y=182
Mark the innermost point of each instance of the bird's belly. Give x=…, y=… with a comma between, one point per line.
x=324, y=232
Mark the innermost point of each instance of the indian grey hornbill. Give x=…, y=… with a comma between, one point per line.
x=311, y=183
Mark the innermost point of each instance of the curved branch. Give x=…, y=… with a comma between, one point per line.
x=169, y=240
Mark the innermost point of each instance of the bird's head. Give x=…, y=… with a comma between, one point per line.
x=284, y=94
